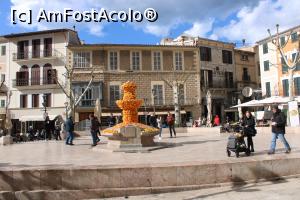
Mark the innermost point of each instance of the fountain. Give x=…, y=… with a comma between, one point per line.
x=130, y=133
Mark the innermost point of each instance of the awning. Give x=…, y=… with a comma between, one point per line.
x=143, y=113
x=27, y=118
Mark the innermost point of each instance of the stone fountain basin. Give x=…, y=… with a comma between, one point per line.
x=132, y=134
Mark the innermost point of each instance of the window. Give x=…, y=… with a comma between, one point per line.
x=114, y=94
x=246, y=76
x=158, y=98
x=47, y=47
x=181, y=94
x=266, y=65
x=22, y=52
x=35, y=100
x=2, y=103
x=36, y=48
x=227, y=57
x=135, y=60
x=205, y=54
x=282, y=40
x=228, y=79
x=23, y=101
x=268, y=89
x=47, y=99
x=294, y=37
x=265, y=48
x=298, y=64
x=87, y=99
x=3, y=50
x=297, y=86
x=178, y=61
x=82, y=59
x=156, y=60
x=284, y=66
x=285, y=87
x=244, y=57
x=113, y=60
x=35, y=75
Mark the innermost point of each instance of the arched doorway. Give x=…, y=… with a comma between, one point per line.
x=35, y=75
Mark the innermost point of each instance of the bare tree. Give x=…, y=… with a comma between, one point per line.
x=174, y=81
x=66, y=87
x=290, y=63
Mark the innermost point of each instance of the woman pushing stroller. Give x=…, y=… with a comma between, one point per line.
x=248, y=123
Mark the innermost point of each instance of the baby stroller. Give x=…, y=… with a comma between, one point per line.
x=236, y=143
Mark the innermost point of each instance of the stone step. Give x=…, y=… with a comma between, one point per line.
x=112, y=181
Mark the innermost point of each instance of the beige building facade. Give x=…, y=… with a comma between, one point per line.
x=152, y=67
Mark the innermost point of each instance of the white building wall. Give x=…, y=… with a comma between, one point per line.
x=271, y=75
x=59, y=43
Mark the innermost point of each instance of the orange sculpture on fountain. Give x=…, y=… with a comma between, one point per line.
x=129, y=104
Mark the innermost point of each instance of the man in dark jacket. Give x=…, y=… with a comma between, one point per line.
x=248, y=123
x=278, y=130
x=153, y=120
x=69, y=128
x=111, y=120
x=95, y=125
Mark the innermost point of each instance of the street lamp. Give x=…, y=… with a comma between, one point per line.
x=153, y=94
x=145, y=103
x=45, y=105
x=66, y=106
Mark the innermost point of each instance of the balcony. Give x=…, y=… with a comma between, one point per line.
x=86, y=103
x=23, y=82
x=36, y=55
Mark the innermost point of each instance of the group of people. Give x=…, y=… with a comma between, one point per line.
x=94, y=129
x=248, y=122
x=157, y=122
x=278, y=122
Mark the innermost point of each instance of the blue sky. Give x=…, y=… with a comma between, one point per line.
x=226, y=20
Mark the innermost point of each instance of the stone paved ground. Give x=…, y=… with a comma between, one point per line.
x=288, y=189
x=191, y=147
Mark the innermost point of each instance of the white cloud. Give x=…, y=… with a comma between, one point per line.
x=199, y=13
x=201, y=28
x=252, y=23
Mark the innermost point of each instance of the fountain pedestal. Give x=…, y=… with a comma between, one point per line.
x=130, y=137
x=130, y=134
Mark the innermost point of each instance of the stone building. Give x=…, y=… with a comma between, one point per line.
x=150, y=66
x=247, y=72
x=217, y=71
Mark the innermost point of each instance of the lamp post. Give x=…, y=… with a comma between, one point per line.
x=45, y=105
x=145, y=103
x=66, y=106
x=153, y=94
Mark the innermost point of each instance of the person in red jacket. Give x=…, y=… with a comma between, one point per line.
x=217, y=121
x=170, y=122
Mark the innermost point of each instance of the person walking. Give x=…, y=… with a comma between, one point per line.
x=170, y=122
x=159, y=125
x=94, y=129
x=69, y=128
x=57, y=129
x=278, y=130
x=249, y=129
x=153, y=120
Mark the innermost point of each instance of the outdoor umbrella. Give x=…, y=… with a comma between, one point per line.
x=208, y=100
x=98, y=110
